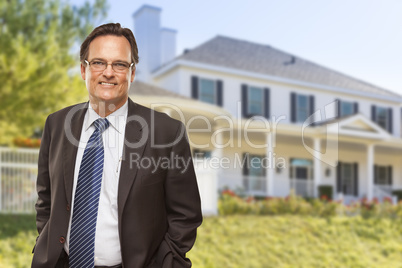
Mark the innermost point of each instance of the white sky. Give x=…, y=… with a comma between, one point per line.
x=361, y=38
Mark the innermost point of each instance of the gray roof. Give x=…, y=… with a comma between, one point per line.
x=263, y=59
x=144, y=89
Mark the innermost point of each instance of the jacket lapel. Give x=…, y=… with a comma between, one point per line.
x=72, y=130
x=134, y=144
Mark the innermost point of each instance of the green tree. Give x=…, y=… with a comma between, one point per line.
x=38, y=71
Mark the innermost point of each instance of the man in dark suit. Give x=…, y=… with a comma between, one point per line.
x=142, y=189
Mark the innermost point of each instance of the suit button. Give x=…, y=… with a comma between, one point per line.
x=62, y=239
x=68, y=207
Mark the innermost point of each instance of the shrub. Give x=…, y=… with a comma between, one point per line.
x=230, y=204
x=398, y=193
x=325, y=191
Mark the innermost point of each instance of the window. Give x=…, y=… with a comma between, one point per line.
x=346, y=108
x=255, y=166
x=255, y=101
x=301, y=169
x=207, y=90
x=382, y=116
x=347, y=184
x=201, y=154
x=254, y=180
x=383, y=175
x=302, y=106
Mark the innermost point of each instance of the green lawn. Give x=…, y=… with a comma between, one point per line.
x=257, y=241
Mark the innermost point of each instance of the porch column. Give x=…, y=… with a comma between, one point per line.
x=271, y=167
x=317, y=166
x=217, y=173
x=370, y=175
x=218, y=144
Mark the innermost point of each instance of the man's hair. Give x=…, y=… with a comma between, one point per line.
x=110, y=29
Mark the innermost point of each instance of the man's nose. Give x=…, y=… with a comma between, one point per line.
x=108, y=71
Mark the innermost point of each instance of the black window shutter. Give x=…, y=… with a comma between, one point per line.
x=338, y=177
x=356, y=107
x=390, y=175
x=219, y=93
x=246, y=163
x=312, y=105
x=375, y=176
x=338, y=108
x=373, y=113
x=356, y=179
x=312, y=108
x=194, y=87
x=244, y=100
x=293, y=107
x=267, y=103
x=390, y=120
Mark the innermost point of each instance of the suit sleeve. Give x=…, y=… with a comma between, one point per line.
x=42, y=205
x=183, y=204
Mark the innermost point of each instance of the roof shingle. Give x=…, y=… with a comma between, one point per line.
x=243, y=55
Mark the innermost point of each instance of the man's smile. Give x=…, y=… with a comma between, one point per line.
x=107, y=84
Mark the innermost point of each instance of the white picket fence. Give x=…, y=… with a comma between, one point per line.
x=18, y=171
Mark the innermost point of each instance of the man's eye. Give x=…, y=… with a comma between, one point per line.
x=120, y=65
x=99, y=63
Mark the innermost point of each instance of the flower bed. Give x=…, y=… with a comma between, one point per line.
x=231, y=204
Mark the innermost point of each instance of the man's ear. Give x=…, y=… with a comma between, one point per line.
x=133, y=74
x=82, y=71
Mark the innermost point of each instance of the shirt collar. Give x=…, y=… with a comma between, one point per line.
x=117, y=119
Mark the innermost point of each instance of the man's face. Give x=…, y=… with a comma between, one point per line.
x=108, y=87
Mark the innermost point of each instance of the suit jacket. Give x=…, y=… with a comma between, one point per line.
x=158, y=211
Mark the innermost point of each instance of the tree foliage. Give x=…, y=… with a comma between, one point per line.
x=38, y=69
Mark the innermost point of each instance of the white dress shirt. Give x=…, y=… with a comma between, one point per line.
x=107, y=242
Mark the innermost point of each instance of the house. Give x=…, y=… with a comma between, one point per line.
x=267, y=122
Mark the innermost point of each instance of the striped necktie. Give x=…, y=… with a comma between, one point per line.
x=86, y=200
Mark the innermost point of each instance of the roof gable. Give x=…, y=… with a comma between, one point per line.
x=357, y=126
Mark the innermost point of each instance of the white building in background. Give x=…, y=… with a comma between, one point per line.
x=247, y=109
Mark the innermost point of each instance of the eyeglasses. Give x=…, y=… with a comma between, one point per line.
x=100, y=66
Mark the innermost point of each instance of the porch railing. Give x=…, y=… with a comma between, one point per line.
x=18, y=172
x=250, y=185
x=384, y=191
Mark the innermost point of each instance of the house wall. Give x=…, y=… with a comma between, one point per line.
x=279, y=94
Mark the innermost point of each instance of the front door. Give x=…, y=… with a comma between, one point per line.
x=301, y=177
x=347, y=178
